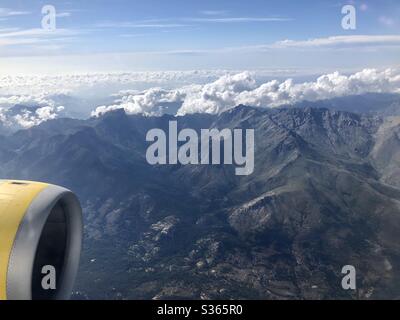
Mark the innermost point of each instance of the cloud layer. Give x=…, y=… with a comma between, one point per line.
x=26, y=101
x=242, y=88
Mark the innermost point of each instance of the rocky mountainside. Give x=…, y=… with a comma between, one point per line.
x=324, y=194
x=386, y=151
x=384, y=104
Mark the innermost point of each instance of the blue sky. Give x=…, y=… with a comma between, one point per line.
x=130, y=35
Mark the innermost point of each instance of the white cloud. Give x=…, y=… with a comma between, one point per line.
x=214, y=12
x=141, y=24
x=351, y=42
x=215, y=96
x=213, y=17
x=6, y=12
x=64, y=84
x=27, y=110
x=340, y=41
x=63, y=14
x=38, y=32
x=28, y=117
x=148, y=102
x=36, y=38
x=231, y=90
x=48, y=113
x=239, y=19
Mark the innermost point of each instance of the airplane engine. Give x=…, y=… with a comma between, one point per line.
x=40, y=241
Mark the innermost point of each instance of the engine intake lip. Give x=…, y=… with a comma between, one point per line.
x=30, y=235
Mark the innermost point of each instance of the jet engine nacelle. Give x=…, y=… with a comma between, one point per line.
x=40, y=232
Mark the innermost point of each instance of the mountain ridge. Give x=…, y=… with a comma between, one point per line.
x=320, y=198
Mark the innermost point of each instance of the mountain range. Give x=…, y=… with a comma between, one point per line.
x=325, y=193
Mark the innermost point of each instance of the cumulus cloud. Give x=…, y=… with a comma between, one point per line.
x=216, y=96
x=27, y=117
x=242, y=88
x=25, y=111
x=230, y=91
x=149, y=102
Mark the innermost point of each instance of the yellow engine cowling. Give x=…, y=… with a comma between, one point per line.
x=40, y=226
